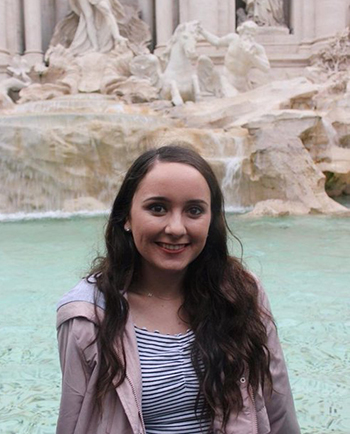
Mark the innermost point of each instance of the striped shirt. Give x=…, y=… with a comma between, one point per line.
x=169, y=383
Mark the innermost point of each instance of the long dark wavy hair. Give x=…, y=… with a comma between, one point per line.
x=221, y=299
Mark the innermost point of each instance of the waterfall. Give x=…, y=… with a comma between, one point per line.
x=68, y=153
x=232, y=181
x=227, y=164
x=331, y=132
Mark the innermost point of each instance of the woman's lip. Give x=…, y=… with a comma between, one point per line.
x=172, y=248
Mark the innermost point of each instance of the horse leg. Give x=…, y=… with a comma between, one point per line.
x=196, y=88
x=176, y=98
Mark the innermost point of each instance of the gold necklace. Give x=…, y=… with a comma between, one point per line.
x=150, y=295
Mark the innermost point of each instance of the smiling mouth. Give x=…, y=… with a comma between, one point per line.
x=173, y=247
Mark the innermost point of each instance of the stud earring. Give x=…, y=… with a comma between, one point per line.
x=127, y=229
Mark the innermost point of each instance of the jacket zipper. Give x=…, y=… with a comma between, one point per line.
x=254, y=410
x=252, y=406
x=138, y=405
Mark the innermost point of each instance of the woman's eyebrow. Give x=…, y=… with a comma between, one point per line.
x=198, y=201
x=165, y=199
x=160, y=198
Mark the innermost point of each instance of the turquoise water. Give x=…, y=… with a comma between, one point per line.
x=304, y=264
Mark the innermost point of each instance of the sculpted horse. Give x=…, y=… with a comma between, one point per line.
x=179, y=79
x=174, y=74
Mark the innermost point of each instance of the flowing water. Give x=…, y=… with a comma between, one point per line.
x=231, y=183
x=303, y=263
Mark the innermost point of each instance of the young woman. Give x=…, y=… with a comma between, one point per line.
x=168, y=333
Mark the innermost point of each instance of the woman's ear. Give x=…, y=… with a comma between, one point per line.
x=127, y=227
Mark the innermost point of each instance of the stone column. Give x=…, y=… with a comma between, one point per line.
x=147, y=13
x=165, y=20
x=4, y=53
x=206, y=11
x=302, y=25
x=331, y=17
x=226, y=16
x=32, y=26
x=15, y=29
x=303, y=19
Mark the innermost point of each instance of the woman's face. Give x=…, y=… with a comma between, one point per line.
x=170, y=217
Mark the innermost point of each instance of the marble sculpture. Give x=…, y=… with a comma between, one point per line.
x=243, y=53
x=266, y=12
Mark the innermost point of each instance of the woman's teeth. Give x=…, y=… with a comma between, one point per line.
x=172, y=246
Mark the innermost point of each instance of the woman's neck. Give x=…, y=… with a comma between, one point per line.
x=155, y=299
x=159, y=284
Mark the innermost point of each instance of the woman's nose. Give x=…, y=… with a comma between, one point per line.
x=175, y=225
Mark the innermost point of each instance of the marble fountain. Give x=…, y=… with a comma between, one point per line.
x=80, y=118
x=69, y=129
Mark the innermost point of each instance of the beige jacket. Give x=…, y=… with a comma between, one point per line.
x=77, y=323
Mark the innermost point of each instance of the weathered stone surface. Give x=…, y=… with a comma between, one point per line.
x=52, y=156
x=278, y=208
x=281, y=168
x=53, y=153
x=329, y=145
x=237, y=111
x=83, y=203
x=337, y=170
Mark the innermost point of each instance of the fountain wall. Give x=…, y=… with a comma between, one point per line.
x=28, y=31
x=71, y=153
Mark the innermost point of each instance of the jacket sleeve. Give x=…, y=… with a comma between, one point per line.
x=279, y=404
x=78, y=361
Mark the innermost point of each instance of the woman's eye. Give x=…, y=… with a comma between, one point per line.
x=158, y=209
x=195, y=211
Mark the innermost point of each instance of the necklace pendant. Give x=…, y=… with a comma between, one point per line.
x=149, y=294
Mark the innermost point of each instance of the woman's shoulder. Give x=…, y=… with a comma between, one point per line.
x=87, y=291
x=84, y=300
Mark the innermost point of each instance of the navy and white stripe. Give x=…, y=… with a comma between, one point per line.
x=169, y=383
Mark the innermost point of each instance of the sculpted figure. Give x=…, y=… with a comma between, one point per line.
x=98, y=27
x=180, y=81
x=175, y=75
x=241, y=16
x=243, y=54
x=20, y=80
x=266, y=12
x=91, y=48
x=20, y=68
x=5, y=87
x=101, y=26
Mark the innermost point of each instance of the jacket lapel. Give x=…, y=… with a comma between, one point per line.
x=130, y=391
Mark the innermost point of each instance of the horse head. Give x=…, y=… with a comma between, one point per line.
x=186, y=36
